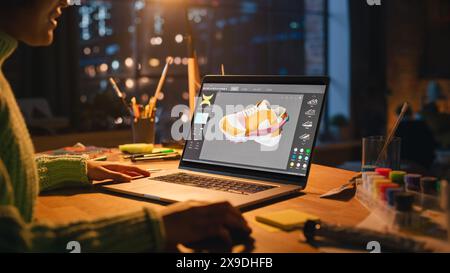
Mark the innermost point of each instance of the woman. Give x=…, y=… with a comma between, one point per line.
x=22, y=176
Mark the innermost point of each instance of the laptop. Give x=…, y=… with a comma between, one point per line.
x=250, y=140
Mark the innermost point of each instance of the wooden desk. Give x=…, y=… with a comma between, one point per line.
x=87, y=204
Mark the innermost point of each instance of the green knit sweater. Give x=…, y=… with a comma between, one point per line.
x=23, y=176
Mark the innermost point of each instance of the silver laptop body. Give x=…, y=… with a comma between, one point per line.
x=241, y=162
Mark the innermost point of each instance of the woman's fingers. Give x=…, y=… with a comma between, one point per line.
x=126, y=168
x=218, y=241
x=116, y=172
x=205, y=223
x=238, y=225
x=116, y=176
x=225, y=237
x=224, y=213
x=132, y=174
x=225, y=207
x=215, y=218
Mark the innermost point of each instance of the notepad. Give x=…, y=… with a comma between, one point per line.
x=286, y=220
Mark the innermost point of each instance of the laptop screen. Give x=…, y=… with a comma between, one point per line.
x=262, y=127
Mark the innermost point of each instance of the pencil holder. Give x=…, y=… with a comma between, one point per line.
x=144, y=130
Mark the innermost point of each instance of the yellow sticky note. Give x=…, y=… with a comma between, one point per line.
x=267, y=227
x=287, y=220
x=136, y=148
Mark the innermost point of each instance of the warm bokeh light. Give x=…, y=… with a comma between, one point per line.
x=129, y=62
x=179, y=38
x=90, y=71
x=130, y=83
x=154, y=62
x=87, y=51
x=103, y=68
x=156, y=41
x=177, y=60
x=144, y=81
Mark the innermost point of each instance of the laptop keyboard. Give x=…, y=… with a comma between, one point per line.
x=212, y=183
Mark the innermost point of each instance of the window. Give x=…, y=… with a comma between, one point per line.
x=130, y=40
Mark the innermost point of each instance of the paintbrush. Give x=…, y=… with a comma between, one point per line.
x=391, y=135
x=135, y=108
x=154, y=99
x=352, y=182
x=120, y=95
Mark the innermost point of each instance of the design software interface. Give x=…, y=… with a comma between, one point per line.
x=264, y=127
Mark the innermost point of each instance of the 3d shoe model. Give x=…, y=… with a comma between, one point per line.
x=310, y=112
x=261, y=123
x=308, y=125
x=313, y=102
x=305, y=137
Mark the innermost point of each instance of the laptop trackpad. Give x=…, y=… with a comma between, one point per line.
x=170, y=192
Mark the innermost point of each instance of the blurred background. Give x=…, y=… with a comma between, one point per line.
x=376, y=56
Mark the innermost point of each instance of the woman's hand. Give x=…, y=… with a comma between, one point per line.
x=205, y=226
x=117, y=172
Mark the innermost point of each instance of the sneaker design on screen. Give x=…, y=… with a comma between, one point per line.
x=261, y=123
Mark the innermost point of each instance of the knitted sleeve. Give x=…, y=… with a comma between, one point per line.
x=6, y=191
x=62, y=171
x=141, y=231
